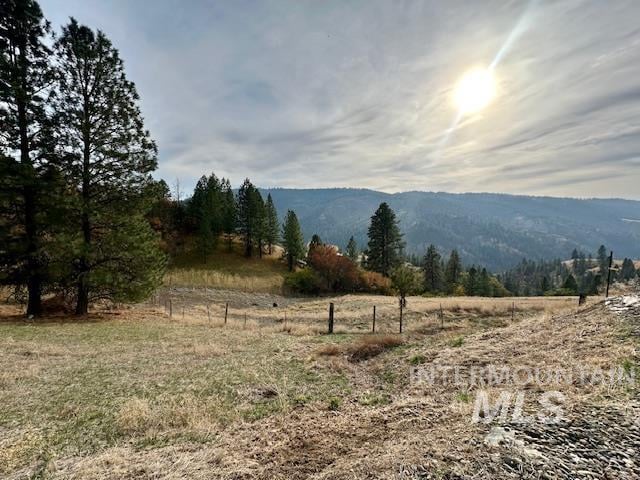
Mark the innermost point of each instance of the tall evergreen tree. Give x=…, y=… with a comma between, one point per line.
x=432, y=270
x=453, y=270
x=603, y=261
x=108, y=160
x=25, y=146
x=272, y=229
x=484, y=284
x=293, y=241
x=261, y=222
x=628, y=270
x=471, y=282
x=385, y=241
x=248, y=215
x=352, y=250
x=315, y=242
x=229, y=211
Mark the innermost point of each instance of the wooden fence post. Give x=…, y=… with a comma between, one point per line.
x=513, y=311
x=170, y=308
x=401, y=305
x=226, y=311
x=285, y=319
x=245, y=319
x=373, y=330
x=331, y=317
x=606, y=295
x=208, y=313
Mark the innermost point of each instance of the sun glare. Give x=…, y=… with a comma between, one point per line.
x=475, y=90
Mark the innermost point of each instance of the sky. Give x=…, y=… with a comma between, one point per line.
x=308, y=94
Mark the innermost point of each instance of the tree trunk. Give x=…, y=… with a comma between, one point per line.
x=82, y=305
x=34, y=278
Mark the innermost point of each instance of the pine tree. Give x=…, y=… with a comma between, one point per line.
x=628, y=270
x=25, y=147
x=570, y=284
x=272, y=233
x=603, y=260
x=385, y=241
x=352, y=250
x=471, y=283
x=248, y=215
x=484, y=284
x=229, y=211
x=293, y=241
x=432, y=270
x=316, y=241
x=200, y=213
x=452, y=271
x=261, y=222
x=108, y=160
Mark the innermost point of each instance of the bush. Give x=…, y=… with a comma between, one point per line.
x=304, y=281
x=339, y=273
x=374, y=282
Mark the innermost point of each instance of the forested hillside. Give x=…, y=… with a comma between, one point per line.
x=489, y=229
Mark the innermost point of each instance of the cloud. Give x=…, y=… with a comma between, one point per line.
x=317, y=94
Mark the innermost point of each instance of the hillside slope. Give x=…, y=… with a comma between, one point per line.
x=496, y=230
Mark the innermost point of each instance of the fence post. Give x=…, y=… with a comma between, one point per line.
x=245, y=319
x=331, y=317
x=401, y=305
x=374, y=320
x=513, y=311
x=226, y=311
x=208, y=313
x=441, y=317
x=606, y=295
x=170, y=308
x=285, y=319
x=183, y=313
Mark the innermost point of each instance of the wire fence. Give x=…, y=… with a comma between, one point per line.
x=331, y=317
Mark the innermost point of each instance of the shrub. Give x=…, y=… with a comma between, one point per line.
x=374, y=282
x=339, y=273
x=304, y=281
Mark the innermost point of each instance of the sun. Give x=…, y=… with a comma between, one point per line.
x=475, y=90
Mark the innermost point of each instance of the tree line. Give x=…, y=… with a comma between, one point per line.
x=383, y=265
x=75, y=166
x=582, y=274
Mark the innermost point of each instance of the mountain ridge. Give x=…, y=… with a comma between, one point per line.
x=492, y=229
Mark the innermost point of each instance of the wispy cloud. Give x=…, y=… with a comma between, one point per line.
x=311, y=94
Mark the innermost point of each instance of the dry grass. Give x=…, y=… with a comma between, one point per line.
x=231, y=281
x=371, y=346
x=137, y=395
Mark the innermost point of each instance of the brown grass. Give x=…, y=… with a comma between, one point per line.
x=371, y=346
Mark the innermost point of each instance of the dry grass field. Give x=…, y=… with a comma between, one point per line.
x=130, y=393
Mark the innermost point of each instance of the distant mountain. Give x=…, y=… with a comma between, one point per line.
x=495, y=230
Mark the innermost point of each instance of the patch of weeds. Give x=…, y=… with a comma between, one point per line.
x=300, y=400
x=261, y=410
x=417, y=359
x=629, y=366
x=456, y=342
x=334, y=404
x=464, y=397
x=372, y=399
x=388, y=376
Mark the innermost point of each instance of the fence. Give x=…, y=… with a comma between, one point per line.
x=326, y=316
